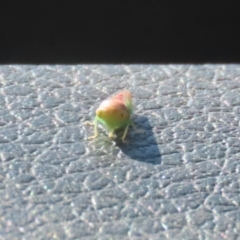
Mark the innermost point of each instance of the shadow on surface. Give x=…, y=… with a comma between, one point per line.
x=141, y=144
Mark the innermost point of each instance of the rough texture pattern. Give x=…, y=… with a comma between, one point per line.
x=177, y=179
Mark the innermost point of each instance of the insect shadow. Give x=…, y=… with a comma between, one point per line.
x=141, y=144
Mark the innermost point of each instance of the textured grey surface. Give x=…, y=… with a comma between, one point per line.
x=179, y=179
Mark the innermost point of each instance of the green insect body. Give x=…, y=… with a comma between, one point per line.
x=115, y=113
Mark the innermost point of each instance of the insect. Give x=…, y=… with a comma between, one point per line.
x=114, y=113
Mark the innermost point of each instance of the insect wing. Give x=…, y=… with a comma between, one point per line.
x=124, y=97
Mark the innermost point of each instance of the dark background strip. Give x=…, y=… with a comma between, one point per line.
x=119, y=32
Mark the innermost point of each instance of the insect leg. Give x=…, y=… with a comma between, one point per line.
x=111, y=133
x=95, y=129
x=125, y=132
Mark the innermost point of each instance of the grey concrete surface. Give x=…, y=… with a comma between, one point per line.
x=177, y=179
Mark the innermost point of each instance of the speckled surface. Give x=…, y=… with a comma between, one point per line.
x=177, y=179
